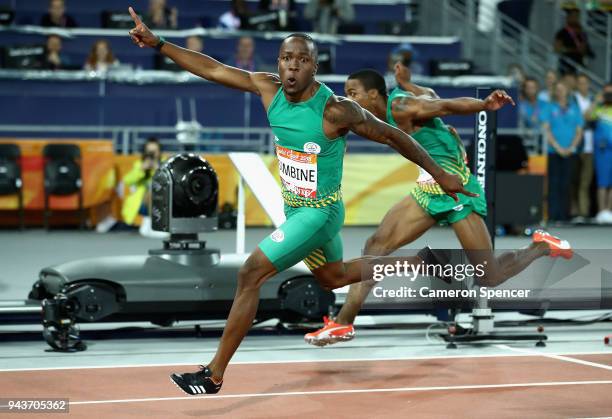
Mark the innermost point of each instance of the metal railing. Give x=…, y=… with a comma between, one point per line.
x=536, y=55
x=597, y=24
x=599, y=29
x=130, y=139
x=507, y=37
x=144, y=77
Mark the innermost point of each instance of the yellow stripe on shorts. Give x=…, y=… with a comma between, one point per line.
x=315, y=260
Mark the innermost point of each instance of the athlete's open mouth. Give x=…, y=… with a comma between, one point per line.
x=291, y=81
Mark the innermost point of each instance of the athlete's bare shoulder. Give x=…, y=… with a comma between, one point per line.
x=264, y=79
x=342, y=112
x=402, y=104
x=267, y=84
x=403, y=110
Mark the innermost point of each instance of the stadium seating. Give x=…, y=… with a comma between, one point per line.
x=106, y=103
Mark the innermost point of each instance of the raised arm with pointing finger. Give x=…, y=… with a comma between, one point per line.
x=200, y=64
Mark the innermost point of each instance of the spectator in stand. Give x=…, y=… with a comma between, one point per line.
x=194, y=43
x=285, y=10
x=516, y=73
x=56, y=16
x=572, y=43
x=235, y=18
x=327, y=15
x=530, y=107
x=601, y=114
x=571, y=82
x=406, y=55
x=562, y=126
x=550, y=79
x=161, y=62
x=100, y=58
x=581, y=184
x=160, y=16
x=54, y=60
x=245, y=57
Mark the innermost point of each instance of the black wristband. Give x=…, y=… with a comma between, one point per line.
x=160, y=44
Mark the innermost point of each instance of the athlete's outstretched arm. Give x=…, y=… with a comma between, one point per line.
x=420, y=109
x=199, y=64
x=427, y=104
x=349, y=115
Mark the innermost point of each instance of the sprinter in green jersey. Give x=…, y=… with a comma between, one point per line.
x=310, y=123
x=416, y=110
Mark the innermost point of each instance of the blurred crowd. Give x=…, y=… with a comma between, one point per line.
x=323, y=16
x=575, y=124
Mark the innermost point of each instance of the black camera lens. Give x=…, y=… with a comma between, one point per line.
x=200, y=186
x=196, y=186
x=189, y=189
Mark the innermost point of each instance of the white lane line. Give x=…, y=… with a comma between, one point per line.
x=350, y=391
x=603, y=417
x=298, y=361
x=559, y=357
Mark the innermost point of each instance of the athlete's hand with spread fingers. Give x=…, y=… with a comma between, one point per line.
x=497, y=100
x=452, y=185
x=141, y=35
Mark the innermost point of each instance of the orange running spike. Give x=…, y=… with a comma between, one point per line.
x=557, y=246
x=330, y=333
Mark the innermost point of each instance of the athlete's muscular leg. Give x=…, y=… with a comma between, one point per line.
x=476, y=241
x=402, y=224
x=255, y=271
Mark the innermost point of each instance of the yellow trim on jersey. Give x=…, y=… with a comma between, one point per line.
x=293, y=201
x=433, y=188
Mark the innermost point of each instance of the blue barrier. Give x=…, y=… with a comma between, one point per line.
x=104, y=103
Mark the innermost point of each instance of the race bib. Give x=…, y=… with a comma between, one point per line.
x=425, y=178
x=298, y=172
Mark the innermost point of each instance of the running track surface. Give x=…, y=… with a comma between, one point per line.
x=521, y=386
